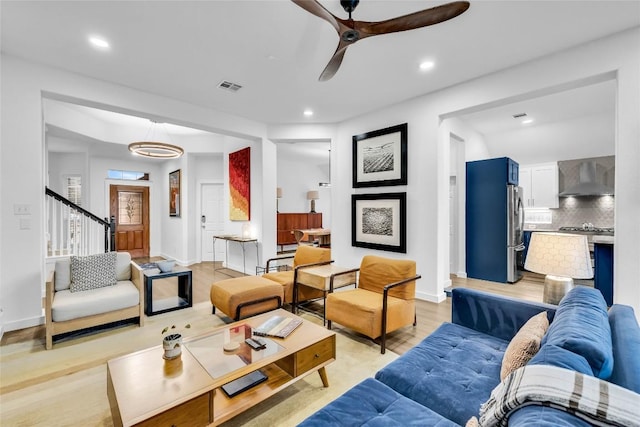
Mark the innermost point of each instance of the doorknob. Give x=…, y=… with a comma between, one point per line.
x=203, y=219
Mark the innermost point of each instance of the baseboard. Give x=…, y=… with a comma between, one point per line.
x=462, y=274
x=431, y=297
x=23, y=324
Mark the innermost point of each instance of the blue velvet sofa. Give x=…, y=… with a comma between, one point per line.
x=445, y=379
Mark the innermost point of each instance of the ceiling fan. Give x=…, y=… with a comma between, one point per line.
x=351, y=31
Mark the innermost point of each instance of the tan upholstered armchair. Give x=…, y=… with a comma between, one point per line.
x=383, y=301
x=305, y=256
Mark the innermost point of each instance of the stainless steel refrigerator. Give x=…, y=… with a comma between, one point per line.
x=494, y=220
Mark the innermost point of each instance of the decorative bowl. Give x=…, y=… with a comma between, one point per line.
x=166, y=265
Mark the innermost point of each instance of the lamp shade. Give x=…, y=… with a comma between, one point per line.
x=313, y=195
x=559, y=254
x=278, y=193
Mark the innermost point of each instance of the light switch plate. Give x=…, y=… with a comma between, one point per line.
x=22, y=209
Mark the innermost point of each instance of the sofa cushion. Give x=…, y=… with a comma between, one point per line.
x=452, y=371
x=93, y=271
x=372, y=403
x=69, y=305
x=525, y=344
x=542, y=416
x=625, y=337
x=123, y=266
x=581, y=325
x=553, y=355
x=63, y=274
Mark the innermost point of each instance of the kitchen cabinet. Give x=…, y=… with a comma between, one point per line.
x=540, y=185
x=603, y=279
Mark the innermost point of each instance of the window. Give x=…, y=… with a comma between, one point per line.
x=74, y=189
x=128, y=175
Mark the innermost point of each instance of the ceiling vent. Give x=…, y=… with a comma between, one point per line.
x=230, y=86
x=519, y=115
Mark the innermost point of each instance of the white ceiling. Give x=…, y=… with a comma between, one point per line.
x=276, y=50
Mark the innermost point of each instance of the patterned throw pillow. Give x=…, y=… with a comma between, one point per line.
x=93, y=271
x=525, y=344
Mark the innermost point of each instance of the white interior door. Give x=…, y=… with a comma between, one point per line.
x=212, y=220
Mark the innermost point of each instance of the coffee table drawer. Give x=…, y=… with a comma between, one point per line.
x=195, y=412
x=315, y=354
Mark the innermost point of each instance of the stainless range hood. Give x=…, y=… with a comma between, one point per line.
x=587, y=184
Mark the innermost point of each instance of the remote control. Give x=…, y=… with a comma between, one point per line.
x=260, y=341
x=253, y=344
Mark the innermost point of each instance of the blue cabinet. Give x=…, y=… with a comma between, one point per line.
x=603, y=279
x=513, y=171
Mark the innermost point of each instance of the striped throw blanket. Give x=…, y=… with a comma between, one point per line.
x=595, y=401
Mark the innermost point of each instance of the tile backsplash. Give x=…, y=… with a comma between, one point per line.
x=575, y=211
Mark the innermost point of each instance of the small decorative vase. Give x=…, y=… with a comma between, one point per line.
x=172, y=345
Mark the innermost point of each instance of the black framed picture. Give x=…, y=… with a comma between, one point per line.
x=380, y=157
x=379, y=221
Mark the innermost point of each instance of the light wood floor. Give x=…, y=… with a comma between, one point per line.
x=429, y=315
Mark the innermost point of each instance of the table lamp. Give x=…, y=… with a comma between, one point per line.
x=278, y=197
x=562, y=258
x=313, y=196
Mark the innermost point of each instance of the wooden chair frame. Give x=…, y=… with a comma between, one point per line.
x=385, y=295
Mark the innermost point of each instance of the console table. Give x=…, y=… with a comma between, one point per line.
x=242, y=241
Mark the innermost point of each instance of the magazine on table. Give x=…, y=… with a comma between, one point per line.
x=277, y=326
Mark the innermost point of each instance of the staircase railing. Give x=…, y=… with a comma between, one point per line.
x=72, y=230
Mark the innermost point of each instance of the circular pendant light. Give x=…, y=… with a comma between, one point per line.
x=155, y=150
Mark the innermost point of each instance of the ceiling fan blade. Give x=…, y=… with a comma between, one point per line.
x=420, y=19
x=334, y=63
x=315, y=8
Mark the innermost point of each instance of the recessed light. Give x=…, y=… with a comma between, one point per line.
x=99, y=42
x=427, y=65
x=527, y=121
x=308, y=113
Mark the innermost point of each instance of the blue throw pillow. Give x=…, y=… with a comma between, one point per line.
x=581, y=325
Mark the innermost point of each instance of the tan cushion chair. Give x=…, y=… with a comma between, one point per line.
x=383, y=301
x=245, y=296
x=305, y=256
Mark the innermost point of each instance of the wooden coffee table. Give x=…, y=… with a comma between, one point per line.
x=146, y=390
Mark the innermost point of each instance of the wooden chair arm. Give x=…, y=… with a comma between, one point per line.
x=276, y=259
x=312, y=264
x=401, y=282
x=49, y=292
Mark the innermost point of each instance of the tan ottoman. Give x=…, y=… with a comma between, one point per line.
x=246, y=296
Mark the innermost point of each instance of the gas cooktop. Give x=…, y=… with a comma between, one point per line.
x=589, y=229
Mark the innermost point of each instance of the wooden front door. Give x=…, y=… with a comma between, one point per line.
x=130, y=207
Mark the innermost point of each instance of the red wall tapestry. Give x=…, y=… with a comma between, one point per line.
x=240, y=185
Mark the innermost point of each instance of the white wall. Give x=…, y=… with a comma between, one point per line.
x=300, y=170
x=427, y=192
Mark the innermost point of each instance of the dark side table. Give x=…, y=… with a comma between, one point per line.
x=184, y=298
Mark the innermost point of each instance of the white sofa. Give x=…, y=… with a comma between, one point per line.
x=67, y=311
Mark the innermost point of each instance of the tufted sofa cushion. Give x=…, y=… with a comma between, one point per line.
x=452, y=371
x=372, y=403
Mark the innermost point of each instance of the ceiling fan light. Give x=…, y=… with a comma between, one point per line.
x=155, y=150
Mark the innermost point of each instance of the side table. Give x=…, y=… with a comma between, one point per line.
x=184, y=298
x=324, y=278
